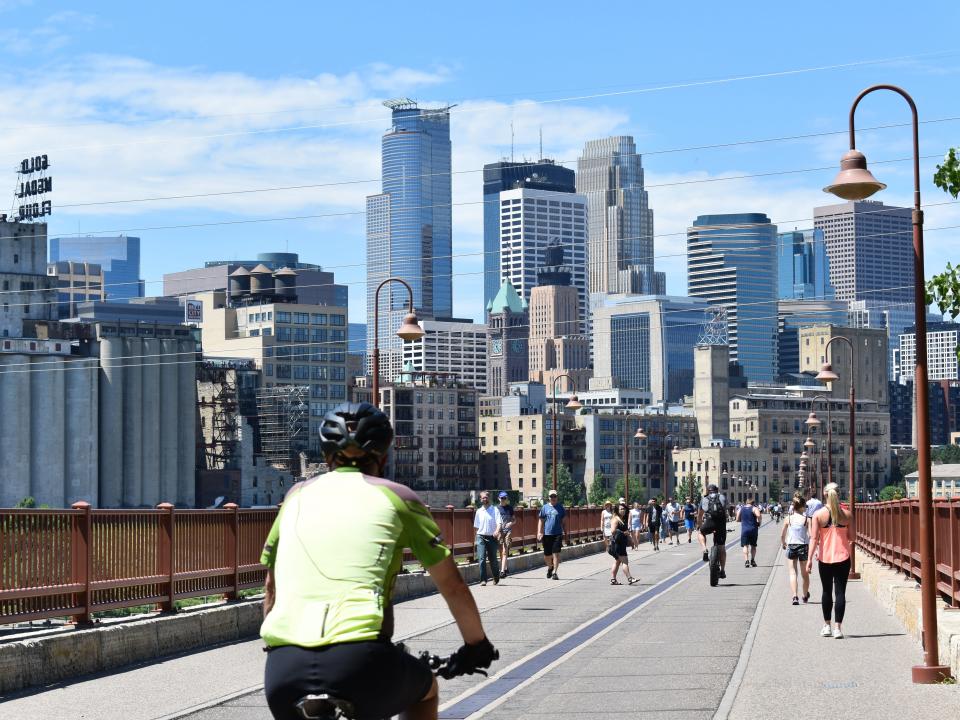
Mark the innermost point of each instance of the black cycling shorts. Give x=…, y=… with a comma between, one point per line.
x=552, y=544
x=380, y=679
x=719, y=533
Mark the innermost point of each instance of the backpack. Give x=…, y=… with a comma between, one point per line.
x=715, y=510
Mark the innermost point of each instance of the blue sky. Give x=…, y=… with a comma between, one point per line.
x=147, y=100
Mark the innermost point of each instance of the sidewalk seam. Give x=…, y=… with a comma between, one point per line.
x=733, y=687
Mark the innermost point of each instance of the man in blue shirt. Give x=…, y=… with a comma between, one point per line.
x=550, y=533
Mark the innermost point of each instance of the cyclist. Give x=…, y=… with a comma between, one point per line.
x=712, y=519
x=328, y=617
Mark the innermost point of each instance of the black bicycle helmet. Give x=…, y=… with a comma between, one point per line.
x=352, y=431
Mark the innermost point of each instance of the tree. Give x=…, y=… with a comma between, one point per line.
x=689, y=488
x=570, y=491
x=775, y=490
x=908, y=465
x=636, y=489
x=947, y=177
x=27, y=503
x=892, y=492
x=598, y=489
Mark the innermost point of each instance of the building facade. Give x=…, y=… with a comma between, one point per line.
x=290, y=343
x=409, y=225
x=118, y=256
x=646, y=343
x=452, y=347
x=739, y=472
x=543, y=174
x=76, y=282
x=610, y=176
x=434, y=417
x=732, y=263
x=531, y=221
x=795, y=314
x=870, y=371
x=943, y=338
x=28, y=294
x=803, y=268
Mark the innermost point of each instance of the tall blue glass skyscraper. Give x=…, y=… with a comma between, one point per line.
x=507, y=175
x=732, y=262
x=803, y=266
x=409, y=224
x=118, y=256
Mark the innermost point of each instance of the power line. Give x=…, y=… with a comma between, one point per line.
x=590, y=263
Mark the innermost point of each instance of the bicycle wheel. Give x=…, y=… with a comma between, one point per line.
x=714, y=566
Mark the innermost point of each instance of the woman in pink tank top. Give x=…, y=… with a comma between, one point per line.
x=829, y=534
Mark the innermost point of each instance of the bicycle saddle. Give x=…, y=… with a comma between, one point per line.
x=324, y=707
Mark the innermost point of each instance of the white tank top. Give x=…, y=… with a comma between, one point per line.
x=797, y=530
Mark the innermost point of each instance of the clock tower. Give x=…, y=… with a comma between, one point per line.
x=508, y=333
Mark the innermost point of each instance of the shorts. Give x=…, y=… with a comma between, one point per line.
x=654, y=528
x=719, y=533
x=635, y=528
x=797, y=552
x=506, y=539
x=748, y=537
x=689, y=523
x=674, y=525
x=552, y=544
x=380, y=679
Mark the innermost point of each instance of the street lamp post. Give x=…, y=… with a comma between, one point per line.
x=408, y=330
x=813, y=421
x=827, y=374
x=855, y=182
x=643, y=436
x=626, y=456
x=809, y=445
x=572, y=404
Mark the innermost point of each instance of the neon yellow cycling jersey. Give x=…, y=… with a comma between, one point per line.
x=335, y=550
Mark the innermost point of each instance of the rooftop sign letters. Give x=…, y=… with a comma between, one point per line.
x=33, y=186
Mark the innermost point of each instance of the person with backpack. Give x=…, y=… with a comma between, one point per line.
x=713, y=521
x=795, y=538
x=619, y=540
x=749, y=518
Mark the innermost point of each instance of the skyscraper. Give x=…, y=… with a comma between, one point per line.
x=543, y=174
x=804, y=269
x=870, y=246
x=119, y=256
x=530, y=220
x=610, y=175
x=732, y=262
x=409, y=225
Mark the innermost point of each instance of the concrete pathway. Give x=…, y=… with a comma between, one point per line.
x=579, y=647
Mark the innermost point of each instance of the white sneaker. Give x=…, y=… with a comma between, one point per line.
x=826, y=632
x=837, y=634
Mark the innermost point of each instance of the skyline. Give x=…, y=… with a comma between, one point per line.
x=162, y=119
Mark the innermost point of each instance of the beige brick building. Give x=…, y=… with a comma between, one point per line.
x=871, y=357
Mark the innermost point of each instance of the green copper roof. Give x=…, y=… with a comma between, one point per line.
x=507, y=299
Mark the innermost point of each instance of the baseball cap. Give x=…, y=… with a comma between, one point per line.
x=621, y=501
x=502, y=495
x=552, y=493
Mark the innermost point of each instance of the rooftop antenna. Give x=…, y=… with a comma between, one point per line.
x=541, y=142
x=511, y=141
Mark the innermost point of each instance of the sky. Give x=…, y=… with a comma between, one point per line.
x=217, y=130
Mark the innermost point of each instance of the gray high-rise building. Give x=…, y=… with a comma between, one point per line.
x=732, y=262
x=610, y=175
x=543, y=174
x=409, y=225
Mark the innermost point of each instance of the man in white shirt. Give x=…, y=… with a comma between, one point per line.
x=671, y=512
x=487, y=523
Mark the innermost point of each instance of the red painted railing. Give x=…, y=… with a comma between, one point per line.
x=891, y=532
x=73, y=563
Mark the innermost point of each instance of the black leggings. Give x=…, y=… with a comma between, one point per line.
x=833, y=577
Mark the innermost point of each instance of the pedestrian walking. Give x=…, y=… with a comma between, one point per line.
x=506, y=530
x=486, y=521
x=636, y=522
x=550, y=533
x=606, y=519
x=619, y=539
x=671, y=514
x=828, y=535
x=690, y=518
x=749, y=517
x=654, y=519
x=795, y=539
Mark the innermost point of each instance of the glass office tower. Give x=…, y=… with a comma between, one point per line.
x=803, y=267
x=409, y=224
x=119, y=257
x=732, y=262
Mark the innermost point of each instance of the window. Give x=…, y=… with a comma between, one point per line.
x=318, y=318
x=283, y=371
x=283, y=316
x=301, y=318
x=301, y=372
x=268, y=369
x=254, y=333
x=338, y=320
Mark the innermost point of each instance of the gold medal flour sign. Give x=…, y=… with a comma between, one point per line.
x=33, y=188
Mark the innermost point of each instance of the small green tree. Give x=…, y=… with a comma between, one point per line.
x=892, y=492
x=570, y=491
x=598, y=489
x=775, y=490
x=947, y=176
x=27, y=503
x=689, y=487
x=637, y=490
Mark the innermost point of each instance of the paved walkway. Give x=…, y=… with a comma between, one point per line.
x=579, y=647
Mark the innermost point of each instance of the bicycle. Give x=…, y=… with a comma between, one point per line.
x=324, y=706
